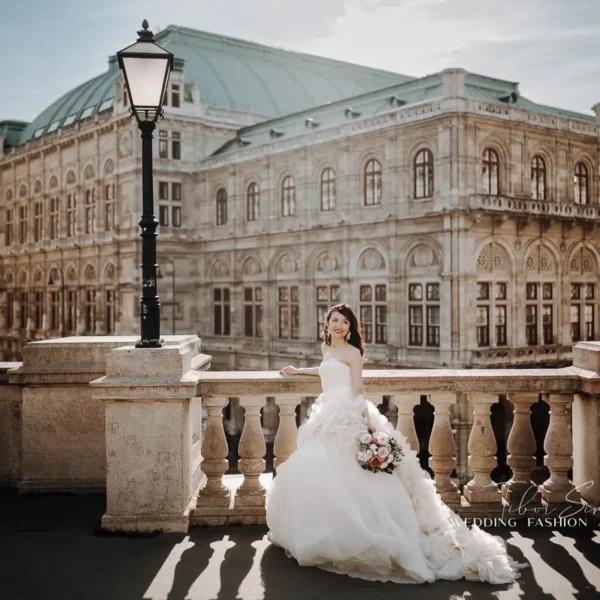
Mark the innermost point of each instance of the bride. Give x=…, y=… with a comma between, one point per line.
x=327, y=511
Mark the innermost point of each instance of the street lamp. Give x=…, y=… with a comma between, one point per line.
x=160, y=276
x=146, y=67
x=51, y=282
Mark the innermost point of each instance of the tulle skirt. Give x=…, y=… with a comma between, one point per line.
x=326, y=511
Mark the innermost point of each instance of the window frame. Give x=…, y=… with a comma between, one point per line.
x=288, y=196
x=490, y=160
x=538, y=166
x=421, y=170
x=252, y=202
x=328, y=190
x=373, y=172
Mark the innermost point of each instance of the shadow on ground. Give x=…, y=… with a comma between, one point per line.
x=53, y=548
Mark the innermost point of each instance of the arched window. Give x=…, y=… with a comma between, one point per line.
x=538, y=178
x=373, y=187
x=221, y=207
x=328, y=194
x=253, y=202
x=90, y=211
x=288, y=197
x=424, y=174
x=581, y=184
x=489, y=172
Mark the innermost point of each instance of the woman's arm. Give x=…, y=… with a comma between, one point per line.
x=302, y=371
x=356, y=363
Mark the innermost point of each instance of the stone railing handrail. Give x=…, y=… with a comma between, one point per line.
x=390, y=381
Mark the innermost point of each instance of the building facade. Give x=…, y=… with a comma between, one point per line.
x=456, y=216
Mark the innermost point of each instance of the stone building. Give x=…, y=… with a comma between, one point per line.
x=456, y=215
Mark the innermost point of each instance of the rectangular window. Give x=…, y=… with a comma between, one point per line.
x=90, y=211
x=423, y=306
x=39, y=310
x=288, y=309
x=176, y=146
x=373, y=313
x=109, y=207
x=433, y=326
x=547, y=324
x=163, y=190
x=531, y=324
x=163, y=148
x=176, y=213
x=23, y=224
x=327, y=295
x=71, y=210
x=71, y=311
x=483, y=326
x=575, y=314
x=8, y=236
x=109, y=312
x=90, y=312
x=38, y=222
x=54, y=218
x=500, y=323
x=10, y=310
x=175, y=95
x=176, y=192
x=54, y=311
x=23, y=310
x=589, y=322
x=163, y=215
x=222, y=311
x=253, y=312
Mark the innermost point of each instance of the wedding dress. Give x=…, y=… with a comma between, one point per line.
x=326, y=511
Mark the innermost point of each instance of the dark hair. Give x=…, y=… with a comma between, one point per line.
x=356, y=338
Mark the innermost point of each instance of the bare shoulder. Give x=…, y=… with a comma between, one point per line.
x=353, y=355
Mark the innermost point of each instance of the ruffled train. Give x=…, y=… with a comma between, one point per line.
x=326, y=511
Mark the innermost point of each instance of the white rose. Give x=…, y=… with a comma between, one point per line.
x=383, y=452
x=365, y=438
x=382, y=438
x=361, y=456
x=373, y=448
x=369, y=454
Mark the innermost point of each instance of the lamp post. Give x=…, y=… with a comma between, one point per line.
x=146, y=67
x=62, y=292
x=160, y=276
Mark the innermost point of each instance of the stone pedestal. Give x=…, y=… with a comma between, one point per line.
x=152, y=450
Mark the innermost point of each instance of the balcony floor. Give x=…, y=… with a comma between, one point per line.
x=53, y=548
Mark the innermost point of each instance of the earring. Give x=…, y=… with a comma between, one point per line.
x=348, y=336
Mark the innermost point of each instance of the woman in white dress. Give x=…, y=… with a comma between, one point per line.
x=327, y=511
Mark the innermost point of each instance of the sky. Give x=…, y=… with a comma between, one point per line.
x=551, y=47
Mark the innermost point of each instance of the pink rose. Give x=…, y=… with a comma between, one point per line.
x=383, y=452
x=375, y=462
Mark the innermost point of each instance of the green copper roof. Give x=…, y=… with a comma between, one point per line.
x=414, y=91
x=233, y=74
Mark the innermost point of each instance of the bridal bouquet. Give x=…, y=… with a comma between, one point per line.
x=378, y=452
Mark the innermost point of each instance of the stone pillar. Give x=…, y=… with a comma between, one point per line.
x=463, y=422
x=152, y=463
x=520, y=490
x=482, y=451
x=286, y=439
x=558, y=445
x=252, y=450
x=442, y=448
x=406, y=422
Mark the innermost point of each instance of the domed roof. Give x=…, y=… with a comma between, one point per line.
x=233, y=74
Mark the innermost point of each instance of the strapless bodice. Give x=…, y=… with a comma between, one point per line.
x=334, y=375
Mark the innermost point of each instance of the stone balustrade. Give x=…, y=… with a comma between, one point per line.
x=481, y=496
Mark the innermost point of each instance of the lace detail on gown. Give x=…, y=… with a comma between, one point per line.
x=326, y=511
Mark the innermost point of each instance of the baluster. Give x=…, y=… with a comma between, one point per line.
x=558, y=445
x=406, y=422
x=463, y=424
x=482, y=451
x=286, y=439
x=520, y=490
x=214, y=451
x=442, y=448
x=252, y=450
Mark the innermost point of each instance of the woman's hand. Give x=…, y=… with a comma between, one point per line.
x=288, y=371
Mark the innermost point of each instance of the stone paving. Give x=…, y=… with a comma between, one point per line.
x=53, y=548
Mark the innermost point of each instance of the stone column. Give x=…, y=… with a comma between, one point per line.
x=463, y=422
x=482, y=451
x=520, y=490
x=286, y=439
x=558, y=445
x=406, y=422
x=153, y=465
x=442, y=448
x=252, y=450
